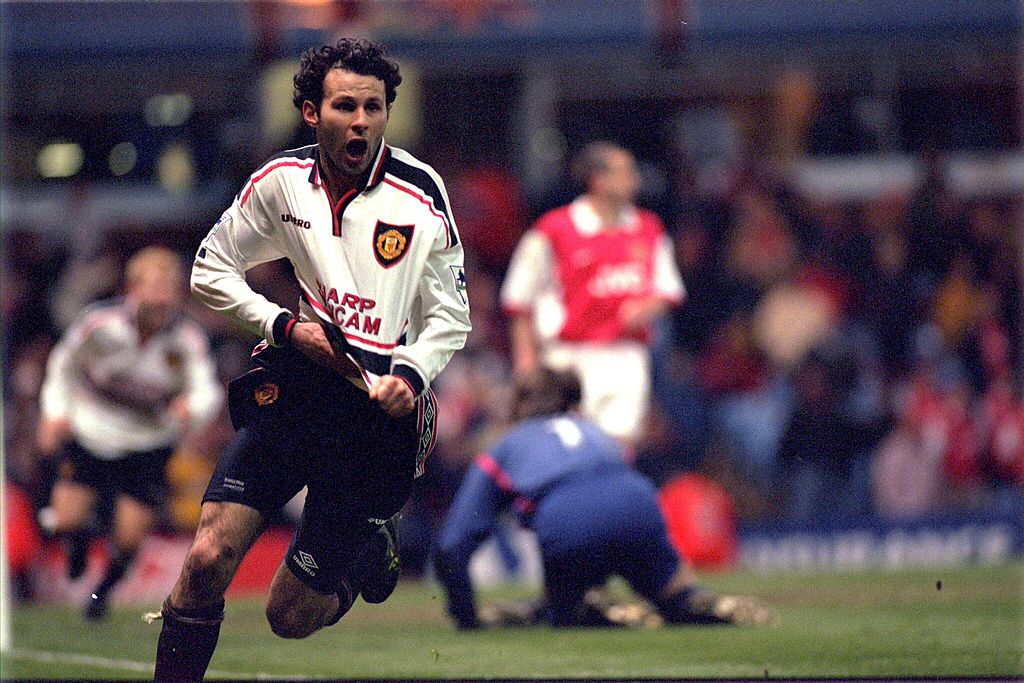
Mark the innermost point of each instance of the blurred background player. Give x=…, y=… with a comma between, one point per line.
x=585, y=285
x=121, y=388
x=594, y=516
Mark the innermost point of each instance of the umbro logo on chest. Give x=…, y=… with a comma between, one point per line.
x=288, y=218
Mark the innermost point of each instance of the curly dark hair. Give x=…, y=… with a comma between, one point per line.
x=358, y=56
x=545, y=392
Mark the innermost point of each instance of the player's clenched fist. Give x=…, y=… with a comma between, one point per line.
x=394, y=395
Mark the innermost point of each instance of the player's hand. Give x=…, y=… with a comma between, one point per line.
x=394, y=395
x=53, y=432
x=309, y=338
x=638, y=314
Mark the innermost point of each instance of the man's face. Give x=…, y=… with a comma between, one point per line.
x=351, y=121
x=620, y=180
x=156, y=295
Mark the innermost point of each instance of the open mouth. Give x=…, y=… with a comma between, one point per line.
x=356, y=148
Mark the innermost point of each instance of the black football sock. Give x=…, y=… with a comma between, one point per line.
x=188, y=638
x=120, y=561
x=76, y=547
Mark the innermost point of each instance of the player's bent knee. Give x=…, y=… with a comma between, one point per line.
x=209, y=553
x=291, y=623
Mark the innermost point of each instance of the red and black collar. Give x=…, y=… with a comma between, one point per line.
x=373, y=178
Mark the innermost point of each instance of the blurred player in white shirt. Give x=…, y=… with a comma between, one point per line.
x=128, y=379
x=586, y=283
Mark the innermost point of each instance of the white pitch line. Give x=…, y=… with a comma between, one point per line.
x=129, y=665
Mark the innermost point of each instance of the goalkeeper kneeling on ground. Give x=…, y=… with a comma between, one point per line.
x=593, y=515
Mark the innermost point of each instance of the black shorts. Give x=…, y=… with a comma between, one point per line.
x=304, y=426
x=140, y=475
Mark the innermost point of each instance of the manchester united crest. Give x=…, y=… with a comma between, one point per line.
x=391, y=242
x=266, y=394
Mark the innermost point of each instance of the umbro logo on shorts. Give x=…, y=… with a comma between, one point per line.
x=375, y=520
x=306, y=561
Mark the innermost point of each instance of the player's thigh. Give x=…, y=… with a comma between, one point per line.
x=72, y=502
x=132, y=521
x=263, y=466
x=615, y=380
x=142, y=476
x=616, y=390
x=359, y=480
x=328, y=541
x=227, y=531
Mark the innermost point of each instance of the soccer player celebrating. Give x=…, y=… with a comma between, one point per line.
x=594, y=517
x=340, y=402
x=121, y=388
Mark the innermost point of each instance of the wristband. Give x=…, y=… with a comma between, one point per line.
x=282, y=329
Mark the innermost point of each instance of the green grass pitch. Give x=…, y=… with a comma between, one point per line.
x=872, y=624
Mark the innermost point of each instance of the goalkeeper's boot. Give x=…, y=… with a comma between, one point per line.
x=384, y=564
x=628, y=613
x=707, y=607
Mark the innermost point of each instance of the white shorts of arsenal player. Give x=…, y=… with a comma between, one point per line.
x=616, y=382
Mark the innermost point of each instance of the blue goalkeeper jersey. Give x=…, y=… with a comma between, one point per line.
x=543, y=452
x=568, y=482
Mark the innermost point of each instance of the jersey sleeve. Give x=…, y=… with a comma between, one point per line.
x=440, y=313
x=530, y=271
x=470, y=521
x=243, y=237
x=202, y=390
x=668, y=284
x=55, y=395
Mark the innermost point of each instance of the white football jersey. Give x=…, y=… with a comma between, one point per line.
x=115, y=387
x=384, y=264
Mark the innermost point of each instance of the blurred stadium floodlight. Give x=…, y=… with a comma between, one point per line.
x=168, y=110
x=175, y=168
x=60, y=159
x=123, y=157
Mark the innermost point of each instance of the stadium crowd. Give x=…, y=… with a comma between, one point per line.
x=833, y=359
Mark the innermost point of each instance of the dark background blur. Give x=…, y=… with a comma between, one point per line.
x=842, y=182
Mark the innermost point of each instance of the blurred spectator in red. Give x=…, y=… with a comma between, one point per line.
x=936, y=403
x=490, y=207
x=732, y=362
x=1002, y=427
